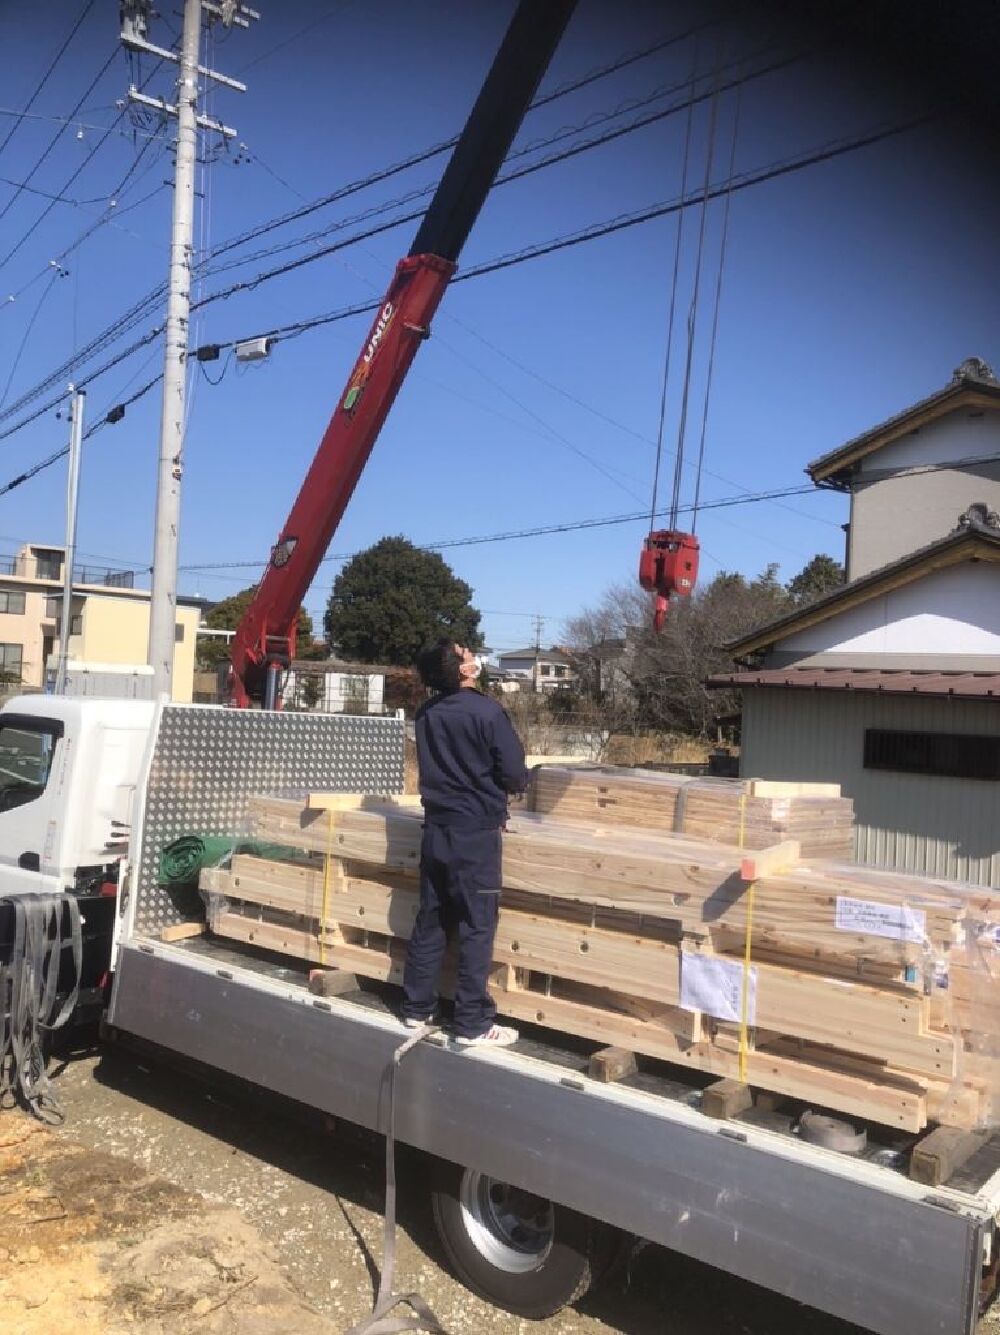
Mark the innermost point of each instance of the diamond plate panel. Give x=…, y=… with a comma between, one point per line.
x=208, y=761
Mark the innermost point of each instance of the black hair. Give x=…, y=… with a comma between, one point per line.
x=439, y=665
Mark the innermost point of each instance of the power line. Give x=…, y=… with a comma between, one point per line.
x=115, y=414
x=56, y=273
x=435, y=150
x=132, y=317
x=619, y=223
x=45, y=78
x=59, y=133
x=80, y=168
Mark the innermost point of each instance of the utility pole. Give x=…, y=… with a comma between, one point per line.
x=537, y=674
x=135, y=23
x=69, y=558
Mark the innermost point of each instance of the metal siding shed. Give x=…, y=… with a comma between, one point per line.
x=911, y=822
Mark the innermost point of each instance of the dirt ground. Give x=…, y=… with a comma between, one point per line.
x=167, y=1205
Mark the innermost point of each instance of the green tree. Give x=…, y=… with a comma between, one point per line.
x=228, y=614
x=392, y=599
x=821, y=576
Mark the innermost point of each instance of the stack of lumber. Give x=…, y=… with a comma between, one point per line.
x=721, y=810
x=636, y=939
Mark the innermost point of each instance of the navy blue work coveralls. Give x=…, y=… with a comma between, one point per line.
x=470, y=759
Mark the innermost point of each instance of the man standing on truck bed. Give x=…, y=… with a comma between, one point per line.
x=470, y=761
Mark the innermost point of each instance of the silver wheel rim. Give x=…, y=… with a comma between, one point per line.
x=510, y=1228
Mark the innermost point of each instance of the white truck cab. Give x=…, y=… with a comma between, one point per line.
x=68, y=775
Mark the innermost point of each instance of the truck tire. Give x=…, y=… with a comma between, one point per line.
x=516, y=1250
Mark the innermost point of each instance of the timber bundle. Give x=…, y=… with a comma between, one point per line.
x=843, y=987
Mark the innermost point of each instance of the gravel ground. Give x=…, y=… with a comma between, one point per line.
x=314, y=1195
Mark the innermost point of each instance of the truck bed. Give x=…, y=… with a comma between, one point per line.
x=851, y=1236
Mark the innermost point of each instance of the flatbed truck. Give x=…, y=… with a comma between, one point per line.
x=539, y=1167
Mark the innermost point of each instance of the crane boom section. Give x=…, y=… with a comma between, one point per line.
x=267, y=632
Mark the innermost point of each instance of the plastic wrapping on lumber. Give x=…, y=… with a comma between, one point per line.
x=887, y=982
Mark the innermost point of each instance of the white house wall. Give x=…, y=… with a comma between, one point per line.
x=950, y=439
x=948, y=613
x=895, y=511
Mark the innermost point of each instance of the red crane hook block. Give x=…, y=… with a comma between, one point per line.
x=668, y=564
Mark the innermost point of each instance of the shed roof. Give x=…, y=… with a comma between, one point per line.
x=973, y=540
x=972, y=385
x=964, y=685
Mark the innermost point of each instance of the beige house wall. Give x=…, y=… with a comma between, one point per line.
x=113, y=623
x=116, y=630
x=27, y=629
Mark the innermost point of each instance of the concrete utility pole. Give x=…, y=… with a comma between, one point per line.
x=135, y=21
x=69, y=558
x=537, y=672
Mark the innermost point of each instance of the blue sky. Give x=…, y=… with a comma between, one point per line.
x=850, y=289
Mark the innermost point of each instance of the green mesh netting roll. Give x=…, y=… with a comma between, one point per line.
x=183, y=858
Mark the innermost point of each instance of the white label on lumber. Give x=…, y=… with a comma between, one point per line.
x=897, y=921
x=715, y=986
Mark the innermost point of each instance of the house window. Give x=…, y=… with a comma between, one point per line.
x=53, y=608
x=76, y=625
x=952, y=755
x=48, y=565
x=11, y=602
x=10, y=663
x=545, y=670
x=178, y=632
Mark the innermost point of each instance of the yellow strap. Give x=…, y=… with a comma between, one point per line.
x=744, y=1048
x=327, y=859
x=745, y=1007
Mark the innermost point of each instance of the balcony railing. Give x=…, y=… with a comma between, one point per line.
x=51, y=568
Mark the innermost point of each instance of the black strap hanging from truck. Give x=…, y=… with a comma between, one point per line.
x=380, y=1322
x=45, y=928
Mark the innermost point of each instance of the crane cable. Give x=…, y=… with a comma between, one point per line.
x=673, y=290
x=693, y=308
x=715, y=314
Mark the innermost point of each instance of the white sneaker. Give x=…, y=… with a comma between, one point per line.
x=497, y=1036
x=410, y=1022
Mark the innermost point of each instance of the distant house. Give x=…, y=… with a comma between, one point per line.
x=890, y=685
x=108, y=628
x=335, y=686
x=540, y=669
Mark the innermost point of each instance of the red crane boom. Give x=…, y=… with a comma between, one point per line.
x=264, y=643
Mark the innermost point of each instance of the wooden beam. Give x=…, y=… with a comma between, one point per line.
x=767, y=861
x=359, y=801
x=331, y=982
x=726, y=1099
x=941, y=1153
x=183, y=931
x=610, y=1064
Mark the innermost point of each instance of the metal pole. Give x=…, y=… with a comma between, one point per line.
x=72, y=491
x=163, y=600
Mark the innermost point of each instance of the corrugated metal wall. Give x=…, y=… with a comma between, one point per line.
x=911, y=822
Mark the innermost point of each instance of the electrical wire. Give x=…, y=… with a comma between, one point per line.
x=79, y=169
x=56, y=273
x=621, y=222
x=425, y=191
x=673, y=298
x=435, y=150
x=713, y=337
x=155, y=296
x=54, y=458
x=46, y=76
x=59, y=133
x=692, y=318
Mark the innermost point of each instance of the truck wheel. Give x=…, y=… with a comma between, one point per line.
x=510, y=1247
